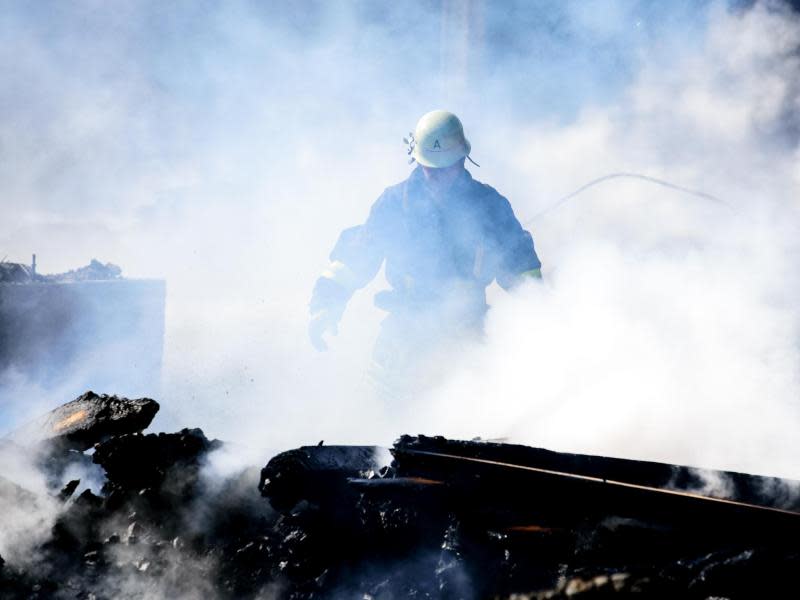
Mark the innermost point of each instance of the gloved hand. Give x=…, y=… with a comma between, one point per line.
x=327, y=307
x=322, y=322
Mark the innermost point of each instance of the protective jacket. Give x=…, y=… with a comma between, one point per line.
x=441, y=251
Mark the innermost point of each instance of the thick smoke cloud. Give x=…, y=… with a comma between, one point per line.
x=667, y=327
x=223, y=147
x=28, y=511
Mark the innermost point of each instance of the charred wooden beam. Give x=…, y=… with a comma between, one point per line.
x=569, y=490
x=317, y=474
x=87, y=420
x=752, y=489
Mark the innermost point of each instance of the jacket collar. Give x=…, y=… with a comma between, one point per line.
x=417, y=180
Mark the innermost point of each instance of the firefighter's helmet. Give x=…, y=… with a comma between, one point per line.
x=438, y=140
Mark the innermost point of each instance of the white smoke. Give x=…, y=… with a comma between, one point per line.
x=667, y=325
x=224, y=149
x=27, y=509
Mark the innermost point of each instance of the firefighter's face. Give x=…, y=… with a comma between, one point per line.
x=443, y=178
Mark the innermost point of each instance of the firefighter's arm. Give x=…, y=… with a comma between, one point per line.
x=354, y=262
x=518, y=260
x=327, y=305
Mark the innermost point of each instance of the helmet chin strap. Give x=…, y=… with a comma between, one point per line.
x=472, y=161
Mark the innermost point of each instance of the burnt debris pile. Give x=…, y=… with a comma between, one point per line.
x=446, y=519
x=15, y=273
x=94, y=271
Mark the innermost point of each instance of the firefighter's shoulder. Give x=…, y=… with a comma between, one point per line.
x=390, y=199
x=491, y=198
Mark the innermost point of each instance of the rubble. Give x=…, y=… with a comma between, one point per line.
x=69, y=489
x=15, y=273
x=94, y=271
x=136, y=461
x=447, y=519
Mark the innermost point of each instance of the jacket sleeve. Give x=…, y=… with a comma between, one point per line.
x=516, y=256
x=355, y=260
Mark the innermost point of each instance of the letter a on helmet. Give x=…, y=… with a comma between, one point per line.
x=439, y=140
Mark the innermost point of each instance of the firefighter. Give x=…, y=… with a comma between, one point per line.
x=444, y=236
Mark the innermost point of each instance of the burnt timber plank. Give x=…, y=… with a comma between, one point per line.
x=87, y=420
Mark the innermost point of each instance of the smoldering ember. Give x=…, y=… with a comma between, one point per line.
x=446, y=519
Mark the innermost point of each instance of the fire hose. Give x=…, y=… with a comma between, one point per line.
x=561, y=201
